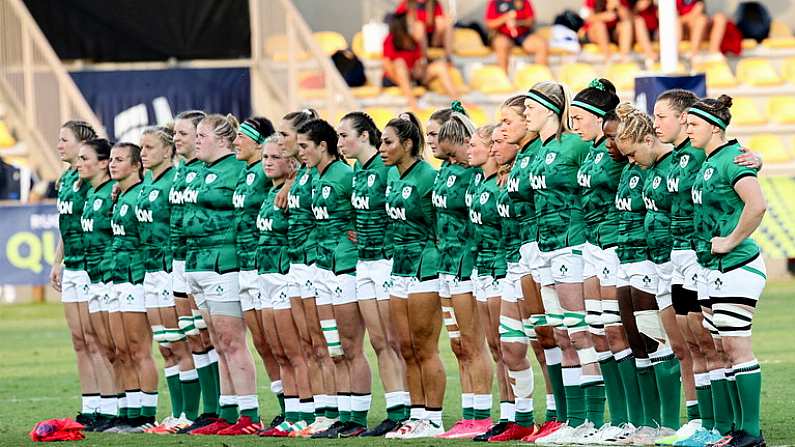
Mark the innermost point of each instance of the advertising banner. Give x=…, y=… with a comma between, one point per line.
x=28, y=238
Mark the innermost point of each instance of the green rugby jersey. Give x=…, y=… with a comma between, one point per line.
x=598, y=178
x=187, y=177
x=128, y=259
x=72, y=193
x=511, y=234
x=718, y=208
x=210, y=217
x=686, y=161
x=369, y=199
x=334, y=218
x=632, y=245
x=247, y=199
x=409, y=205
x=520, y=192
x=97, y=232
x=302, y=246
x=153, y=212
x=271, y=254
x=487, y=225
x=553, y=177
x=452, y=221
x=657, y=222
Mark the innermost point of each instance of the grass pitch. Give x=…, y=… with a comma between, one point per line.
x=38, y=380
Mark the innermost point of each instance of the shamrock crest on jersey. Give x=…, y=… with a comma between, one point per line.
x=97, y=204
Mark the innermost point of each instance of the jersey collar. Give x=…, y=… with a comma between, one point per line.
x=192, y=161
x=130, y=188
x=221, y=159
x=598, y=142
x=549, y=140
x=253, y=163
x=660, y=160
x=683, y=144
x=490, y=177
x=162, y=174
x=529, y=143
x=102, y=185
x=328, y=166
x=370, y=161
x=720, y=148
x=411, y=168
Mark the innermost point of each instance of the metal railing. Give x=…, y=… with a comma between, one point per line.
x=35, y=86
x=283, y=53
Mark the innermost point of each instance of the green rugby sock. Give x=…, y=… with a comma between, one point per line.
x=594, y=393
x=629, y=380
x=734, y=396
x=721, y=401
x=704, y=396
x=614, y=390
x=555, y=373
x=648, y=394
x=174, y=390
x=575, y=396
x=749, y=386
x=668, y=376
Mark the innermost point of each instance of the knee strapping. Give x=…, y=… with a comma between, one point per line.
x=522, y=382
x=610, y=313
x=552, y=306
x=187, y=325
x=450, y=321
x=174, y=335
x=731, y=320
x=198, y=320
x=593, y=317
x=574, y=321
x=332, y=336
x=709, y=326
x=512, y=330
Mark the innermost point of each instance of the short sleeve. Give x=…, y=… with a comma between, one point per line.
x=735, y=172
x=437, y=9
x=402, y=7
x=389, y=48
x=527, y=11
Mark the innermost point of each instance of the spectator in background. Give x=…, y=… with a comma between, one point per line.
x=645, y=22
x=511, y=22
x=606, y=21
x=694, y=23
x=15, y=182
x=406, y=64
x=430, y=30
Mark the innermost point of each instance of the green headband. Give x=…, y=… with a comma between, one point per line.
x=544, y=101
x=591, y=108
x=708, y=117
x=249, y=131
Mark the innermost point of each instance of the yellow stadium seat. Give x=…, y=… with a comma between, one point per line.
x=366, y=91
x=778, y=28
x=435, y=53
x=757, y=71
x=276, y=48
x=6, y=139
x=749, y=44
x=718, y=73
x=782, y=43
x=381, y=115
x=788, y=70
x=593, y=48
x=490, y=79
x=330, y=41
x=623, y=75
x=527, y=75
x=657, y=68
x=781, y=109
x=357, y=45
x=467, y=43
x=745, y=113
x=770, y=147
x=577, y=76
x=395, y=91
x=477, y=115
x=457, y=78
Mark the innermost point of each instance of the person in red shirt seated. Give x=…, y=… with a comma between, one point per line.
x=646, y=24
x=406, y=63
x=430, y=29
x=511, y=23
x=607, y=20
x=694, y=22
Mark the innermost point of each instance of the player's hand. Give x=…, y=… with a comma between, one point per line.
x=281, y=197
x=55, y=278
x=722, y=245
x=352, y=237
x=114, y=193
x=748, y=158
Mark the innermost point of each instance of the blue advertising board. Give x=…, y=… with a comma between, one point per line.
x=28, y=238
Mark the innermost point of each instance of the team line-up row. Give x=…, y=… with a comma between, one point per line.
x=615, y=243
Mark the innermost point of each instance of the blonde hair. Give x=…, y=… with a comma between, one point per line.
x=163, y=133
x=515, y=103
x=560, y=97
x=634, y=124
x=224, y=127
x=457, y=129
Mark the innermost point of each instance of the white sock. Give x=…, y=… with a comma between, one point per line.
x=292, y=405
x=277, y=387
x=247, y=402
x=623, y=354
x=90, y=403
x=361, y=402
x=406, y=398
x=468, y=400
x=483, y=402
x=417, y=413
x=189, y=375
x=171, y=371
x=553, y=356
x=332, y=401
x=201, y=360
x=212, y=354
x=149, y=400
x=434, y=416
x=394, y=399
x=134, y=399
x=522, y=382
x=226, y=400
x=571, y=376
x=344, y=402
x=551, y=402
x=305, y=407
x=508, y=411
x=109, y=406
